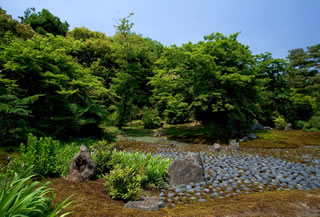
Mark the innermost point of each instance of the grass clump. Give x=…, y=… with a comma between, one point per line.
x=21, y=196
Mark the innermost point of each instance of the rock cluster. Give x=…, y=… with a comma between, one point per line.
x=228, y=175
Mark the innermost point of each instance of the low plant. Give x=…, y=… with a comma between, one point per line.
x=313, y=125
x=102, y=154
x=123, y=183
x=42, y=154
x=154, y=168
x=299, y=124
x=64, y=156
x=21, y=196
x=156, y=172
x=279, y=122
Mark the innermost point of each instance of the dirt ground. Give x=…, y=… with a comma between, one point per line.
x=91, y=200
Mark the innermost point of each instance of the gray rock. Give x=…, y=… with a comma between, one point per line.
x=244, y=139
x=288, y=127
x=267, y=128
x=252, y=136
x=216, y=147
x=82, y=167
x=202, y=200
x=234, y=145
x=257, y=126
x=185, y=171
x=146, y=203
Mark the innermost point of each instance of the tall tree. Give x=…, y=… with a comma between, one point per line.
x=44, y=22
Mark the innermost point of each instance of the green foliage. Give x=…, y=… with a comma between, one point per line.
x=151, y=119
x=101, y=154
x=71, y=102
x=44, y=22
x=23, y=197
x=123, y=183
x=156, y=172
x=42, y=154
x=64, y=156
x=299, y=124
x=313, y=124
x=10, y=28
x=177, y=111
x=154, y=169
x=280, y=122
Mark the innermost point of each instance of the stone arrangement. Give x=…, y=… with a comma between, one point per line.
x=227, y=175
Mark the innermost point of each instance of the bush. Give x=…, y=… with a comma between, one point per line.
x=49, y=157
x=151, y=119
x=156, y=172
x=155, y=169
x=123, y=183
x=64, y=157
x=101, y=154
x=23, y=197
x=280, y=122
x=42, y=154
x=313, y=129
x=314, y=123
x=300, y=124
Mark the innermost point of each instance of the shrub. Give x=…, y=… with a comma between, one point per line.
x=42, y=154
x=313, y=123
x=280, y=122
x=123, y=183
x=300, y=124
x=64, y=157
x=156, y=172
x=101, y=154
x=151, y=119
x=313, y=129
x=23, y=197
x=155, y=169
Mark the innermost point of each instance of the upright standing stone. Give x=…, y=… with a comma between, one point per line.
x=82, y=167
x=187, y=170
x=234, y=145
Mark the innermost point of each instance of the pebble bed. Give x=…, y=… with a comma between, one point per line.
x=232, y=173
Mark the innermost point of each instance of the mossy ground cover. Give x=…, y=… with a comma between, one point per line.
x=91, y=200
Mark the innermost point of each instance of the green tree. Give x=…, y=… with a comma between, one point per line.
x=10, y=28
x=275, y=93
x=44, y=22
x=71, y=96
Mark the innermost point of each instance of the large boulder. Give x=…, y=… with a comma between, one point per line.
x=190, y=169
x=82, y=167
x=146, y=203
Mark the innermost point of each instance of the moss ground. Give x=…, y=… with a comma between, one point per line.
x=91, y=200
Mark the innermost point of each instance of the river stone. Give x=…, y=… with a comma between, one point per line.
x=82, y=167
x=187, y=170
x=146, y=203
